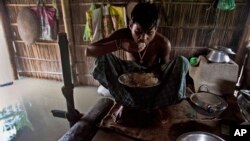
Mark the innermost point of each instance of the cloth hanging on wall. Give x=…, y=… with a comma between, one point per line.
x=88, y=32
x=48, y=20
x=102, y=21
x=226, y=4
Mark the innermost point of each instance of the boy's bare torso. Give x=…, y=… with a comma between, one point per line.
x=153, y=53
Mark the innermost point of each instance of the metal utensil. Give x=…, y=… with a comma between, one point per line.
x=208, y=104
x=221, y=48
x=217, y=56
x=199, y=136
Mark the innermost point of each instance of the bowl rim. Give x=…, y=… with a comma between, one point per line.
x=182, y=136
x=121, y=82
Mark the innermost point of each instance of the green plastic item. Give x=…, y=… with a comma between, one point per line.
x=226, y=5
x=194, y=61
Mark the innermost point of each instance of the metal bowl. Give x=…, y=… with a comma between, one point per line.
x=226, y=50
x=199, y=136
x=243, y=101
x=208, y=104
x=142, y=95
x=217, y=56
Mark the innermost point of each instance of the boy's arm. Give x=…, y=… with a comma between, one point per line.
x=118, y=40
x=103, y=46
x=166, y=51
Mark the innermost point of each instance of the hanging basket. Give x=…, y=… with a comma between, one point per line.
x=28, y=26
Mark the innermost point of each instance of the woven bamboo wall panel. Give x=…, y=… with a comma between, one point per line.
x=78, y=34
x=78, y=16
x=188, y=52
x=80, y=57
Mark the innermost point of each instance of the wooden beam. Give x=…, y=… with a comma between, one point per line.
x=5, y=21
x=69, y=30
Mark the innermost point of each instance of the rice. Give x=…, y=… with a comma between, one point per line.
x=140, y=80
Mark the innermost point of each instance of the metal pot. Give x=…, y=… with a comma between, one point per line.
x=217, y=56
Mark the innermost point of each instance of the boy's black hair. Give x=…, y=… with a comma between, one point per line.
x=145, y=14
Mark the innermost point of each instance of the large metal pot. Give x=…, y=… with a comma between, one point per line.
x=217, y=56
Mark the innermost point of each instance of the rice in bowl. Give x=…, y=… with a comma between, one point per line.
x=139, y=79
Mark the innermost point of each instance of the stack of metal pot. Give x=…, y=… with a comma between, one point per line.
x=219, y=54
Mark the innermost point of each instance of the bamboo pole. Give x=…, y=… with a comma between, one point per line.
x=5, y=21
x=69, y=30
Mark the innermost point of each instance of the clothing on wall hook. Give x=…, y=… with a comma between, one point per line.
x=226, y=4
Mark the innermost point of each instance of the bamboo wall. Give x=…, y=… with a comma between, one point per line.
x=189, y=25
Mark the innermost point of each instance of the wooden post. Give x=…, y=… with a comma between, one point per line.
x=245, y=38
x=69, y=30
x=5, y=21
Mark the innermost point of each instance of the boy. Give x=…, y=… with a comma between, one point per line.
x=146, y=51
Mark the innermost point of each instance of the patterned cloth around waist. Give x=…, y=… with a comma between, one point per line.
x=170, y=90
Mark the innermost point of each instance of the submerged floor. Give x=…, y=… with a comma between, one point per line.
x=25, y=109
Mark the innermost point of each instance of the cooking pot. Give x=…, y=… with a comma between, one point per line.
x=217, y=56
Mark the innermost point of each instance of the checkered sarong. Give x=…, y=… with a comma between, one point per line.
x=171, y=89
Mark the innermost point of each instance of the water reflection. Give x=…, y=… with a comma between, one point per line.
x=12, y=119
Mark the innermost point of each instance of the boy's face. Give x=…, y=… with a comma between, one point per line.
x=142, y=35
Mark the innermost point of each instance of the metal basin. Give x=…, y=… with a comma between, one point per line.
x=141, y=91
x=199, y=136
x=243, y=101
x=208, y=104
x=217, y=56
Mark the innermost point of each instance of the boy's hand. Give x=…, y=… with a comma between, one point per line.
x=131, y=46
